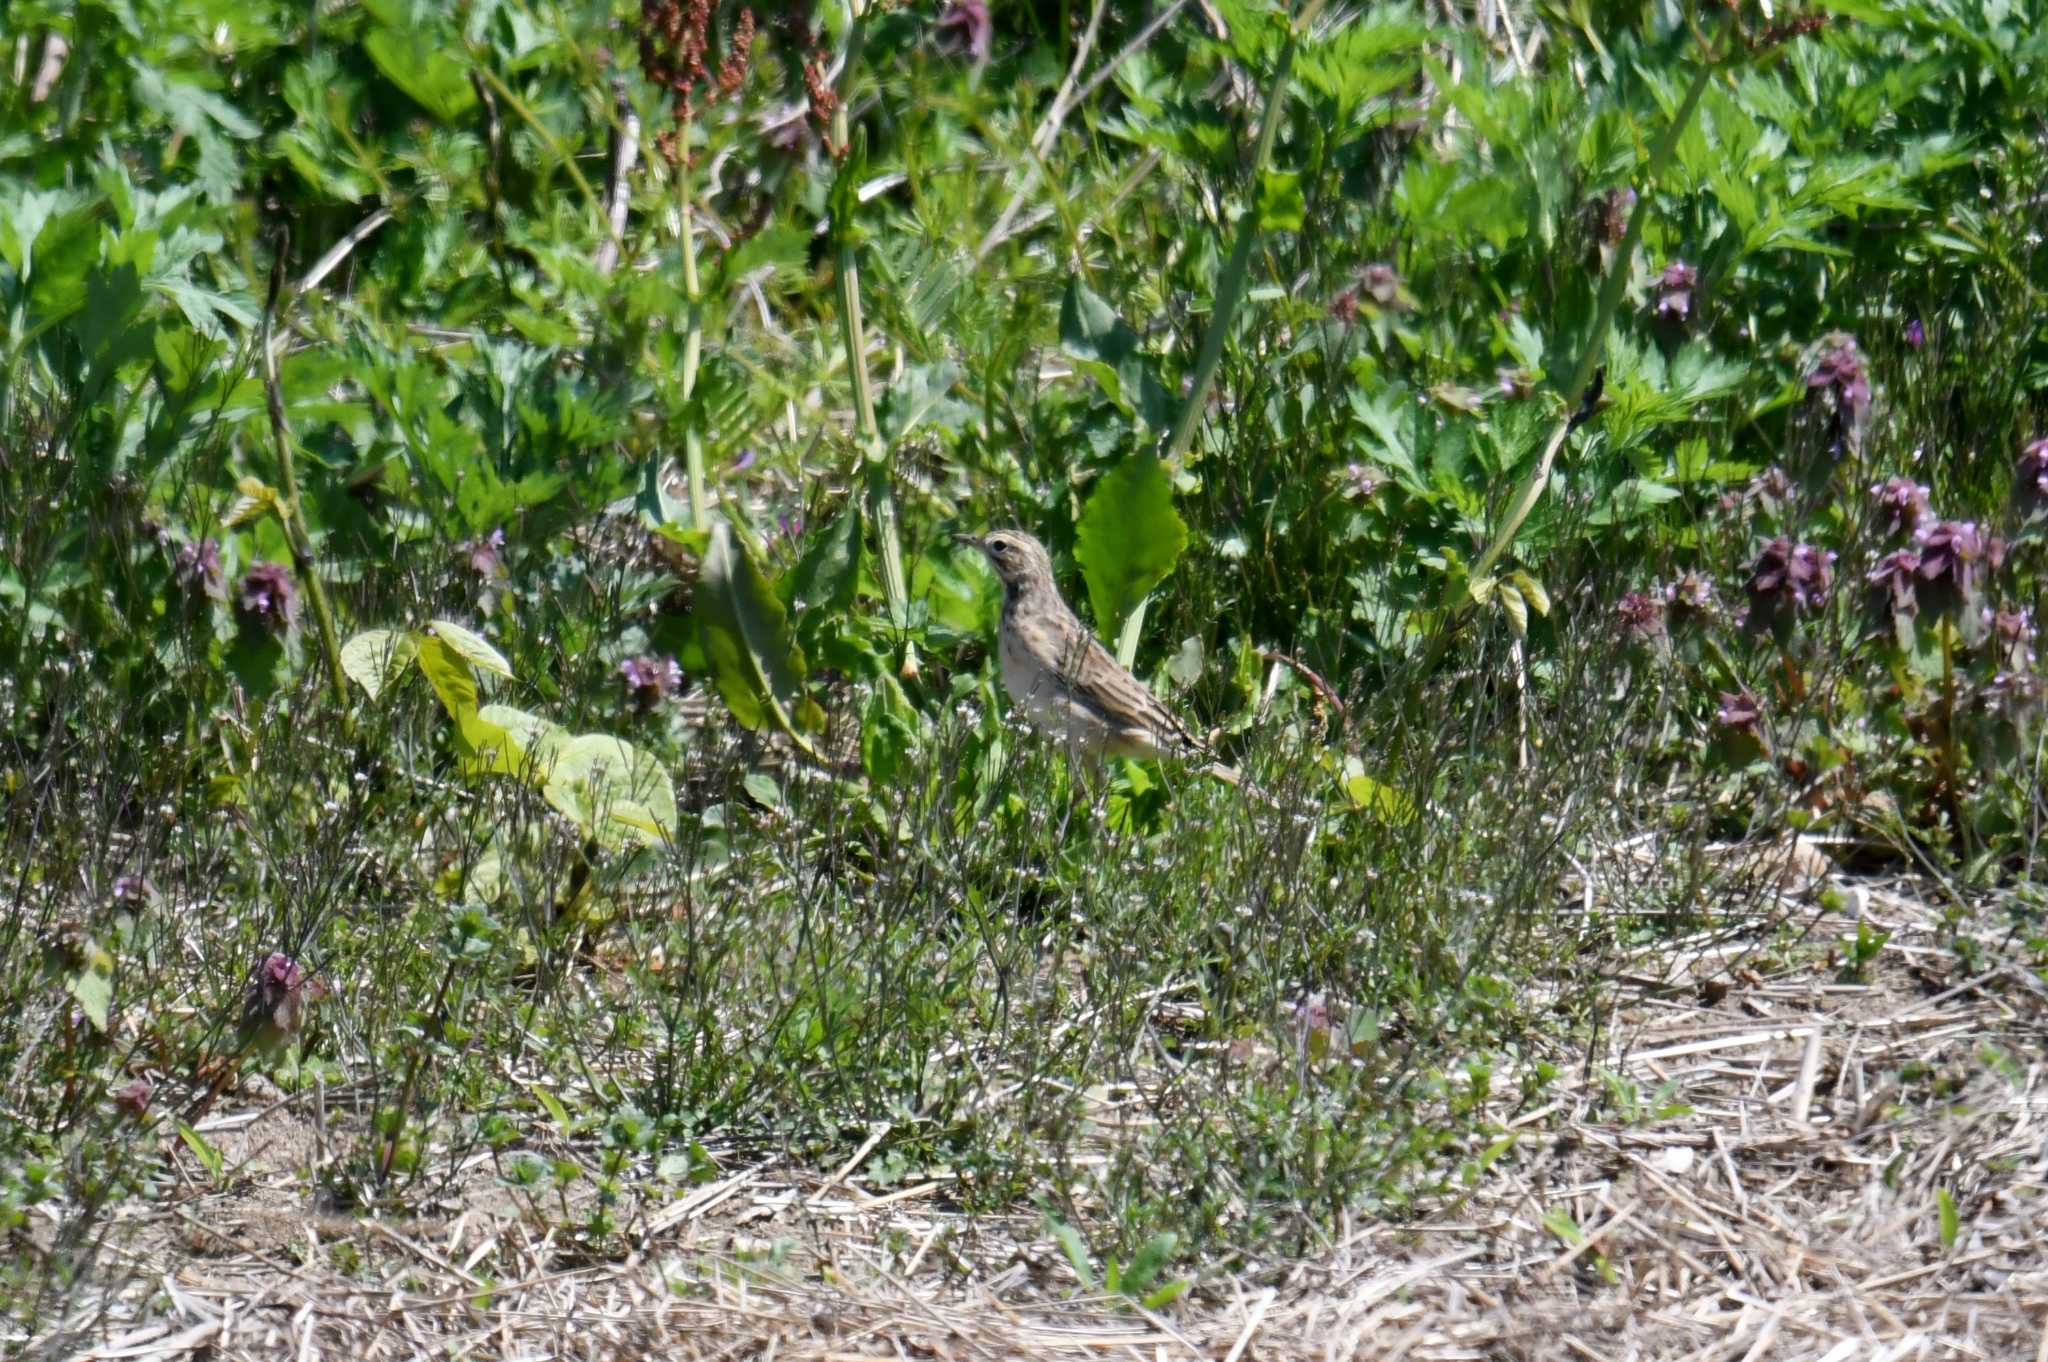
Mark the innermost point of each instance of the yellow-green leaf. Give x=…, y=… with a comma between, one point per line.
x=472, y=648
x=374, y=658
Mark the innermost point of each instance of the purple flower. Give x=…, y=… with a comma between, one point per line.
x=1515, y=382
x=1674, y=291
x=133, y=889
x=1792, y=574
x=970, y=17
x=1360, y=481
x=650, y=679
x=1952, y=552
x=1903, y=504
x=483, y=556
x=1382, y=284
x=198, y=570
x=1739, y=712
x=1839, y=382
x=2014, y=691
x=1641, y=614
x=1344, y=307
x=134, y=1097
x=273, y=1006
x=1892, y=579
x=1916, y=334
x=1772, y=488
x=1690, y=595
x=267, y=599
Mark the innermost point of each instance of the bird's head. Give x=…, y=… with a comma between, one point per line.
x=1018, y=559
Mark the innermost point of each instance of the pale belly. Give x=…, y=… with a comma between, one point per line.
x=1055, y=713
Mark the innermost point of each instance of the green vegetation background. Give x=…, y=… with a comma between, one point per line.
x=478, y=626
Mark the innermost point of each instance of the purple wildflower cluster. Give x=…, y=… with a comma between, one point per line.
x=1840, y=382
x=1789, y=574
x=267, y=599
x=650, y=679
x=1675, y=290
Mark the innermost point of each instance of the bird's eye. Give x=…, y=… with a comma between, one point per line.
x=999, y=547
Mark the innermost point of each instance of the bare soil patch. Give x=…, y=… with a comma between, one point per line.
x=1757, y=1166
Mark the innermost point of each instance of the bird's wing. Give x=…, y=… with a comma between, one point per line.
x=1097, y=680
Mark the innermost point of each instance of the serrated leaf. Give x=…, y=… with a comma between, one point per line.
x=1130, y=537
x=471, y=648
x=375, y=658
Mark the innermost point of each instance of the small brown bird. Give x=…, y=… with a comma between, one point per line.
x=1064, y=680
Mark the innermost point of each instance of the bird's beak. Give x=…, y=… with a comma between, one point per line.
x=971, y=540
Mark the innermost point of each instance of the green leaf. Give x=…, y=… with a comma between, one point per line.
x=450, y=676
x=532, y=744
x=828, y=574
x=1951, y=1222
x=1149, y=1261
x=1373, y=796
x=472, y=648
x=888, y=730
x=1281, y=204
x=1069, y=1240
x=1106, y=348
x=416, y=60
x=209, y=1157
x=613, y=791
x=754, y=659
x=1129, y=539
x=374, y=658
x=91, y=986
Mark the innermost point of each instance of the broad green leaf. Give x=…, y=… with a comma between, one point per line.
x=534, y=743
x=1129, y=538
x=1370, y=795
x=91, y=986
x=451, y=677
x=472, y=648
x=828, y=574
x=1106, y=348
x=374, y=658
x=416, y=60
x=754, y=659
x=613, y=791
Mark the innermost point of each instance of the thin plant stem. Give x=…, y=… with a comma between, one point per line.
x=693, y=350
x=290, y=511
x=878, y=460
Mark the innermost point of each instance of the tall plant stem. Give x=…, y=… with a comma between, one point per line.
x=878, y=460
x=290, y=510
x=693, y=350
